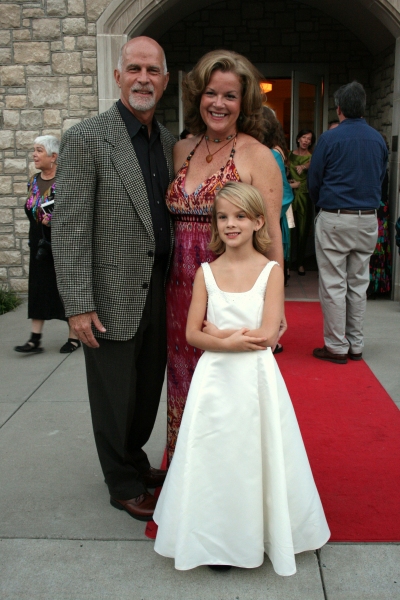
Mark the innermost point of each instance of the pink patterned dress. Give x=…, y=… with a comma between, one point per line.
x=192, y=217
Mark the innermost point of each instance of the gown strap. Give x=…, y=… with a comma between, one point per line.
x=261, y=283
x=211, y=285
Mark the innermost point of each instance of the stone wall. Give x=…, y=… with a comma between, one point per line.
x=48, y=78
x=48, y=82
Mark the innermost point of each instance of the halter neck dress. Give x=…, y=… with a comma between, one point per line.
x=192, y=219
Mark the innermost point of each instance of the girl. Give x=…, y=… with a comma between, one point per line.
x=239, y=484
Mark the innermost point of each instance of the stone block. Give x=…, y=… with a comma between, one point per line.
x=76, y=7
x=56, y=46
x=7, y=241
x=14, y=165
x=3, y=274
x=5, y=37
x=5, y=56
x=88, y=80
x=19, y=213
x=76, y=80
x=69, y=43
x=19, y=35
x=30, y=119
x=56, y=8
x=55, y=132
x=91, y=29
x=51, y=117
x=11, y=119
x=94, y=8
x=24, y=139
x=31, y=52
x=46, y=29
x=89, y=101
x=10, y=16
x=6, y=139
x=10, y=257
x=5, y=185
x=74, y=102
x=69, y=123
x=89, y=65
x=12, y=75
x=86, y=42
x=15, y=272
x=67, y=63
x=74, y=26
x=15, y=101
x=19, y=189
x=46, y=92
x=38, y=70
x=21, y=228
x=32, y=13
x=19, y=285
x=6, y=216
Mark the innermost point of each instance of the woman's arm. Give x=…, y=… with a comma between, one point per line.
x=273, y=309
x=267, y=178
x=236, y=342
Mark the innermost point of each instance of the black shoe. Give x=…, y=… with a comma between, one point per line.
x=220, y=567
x=70, y=346
x=29, y=347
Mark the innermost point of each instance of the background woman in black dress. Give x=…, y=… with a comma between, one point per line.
x=44, y=302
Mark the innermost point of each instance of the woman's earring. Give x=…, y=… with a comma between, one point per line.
x=241, y=117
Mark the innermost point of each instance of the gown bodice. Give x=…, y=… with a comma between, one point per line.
x=234, y=310
x=198, y=204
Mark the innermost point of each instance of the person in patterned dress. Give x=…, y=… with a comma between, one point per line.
x=223, y=110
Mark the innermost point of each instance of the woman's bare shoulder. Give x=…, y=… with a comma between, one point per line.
x=183, y=148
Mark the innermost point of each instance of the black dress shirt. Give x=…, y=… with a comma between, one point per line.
x=153, y=164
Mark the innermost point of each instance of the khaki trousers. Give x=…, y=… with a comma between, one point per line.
x=344, y=244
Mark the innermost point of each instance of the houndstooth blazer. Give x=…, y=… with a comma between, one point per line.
x=102, y=232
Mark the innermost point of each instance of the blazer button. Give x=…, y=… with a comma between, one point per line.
x=145, y=286
x=150, y=253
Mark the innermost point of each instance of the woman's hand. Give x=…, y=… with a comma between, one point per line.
x=240, y=342
x=211, y=329
x=46, y=221
x=294, y=184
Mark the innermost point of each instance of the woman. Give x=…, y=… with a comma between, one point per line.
x=44, y=302
x=380, y=264
x=275, y=140
x=223, y=110
x=299, y=162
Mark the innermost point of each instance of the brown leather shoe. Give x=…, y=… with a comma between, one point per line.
x=355, y=356
x=141, y=508
x=153, y=477
x=325, y=354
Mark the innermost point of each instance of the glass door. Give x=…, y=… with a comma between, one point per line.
x=307, y=103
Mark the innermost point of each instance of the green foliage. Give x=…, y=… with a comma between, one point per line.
x=8, y=301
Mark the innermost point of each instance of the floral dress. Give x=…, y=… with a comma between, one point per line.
x=192, y=219
x=44, y=301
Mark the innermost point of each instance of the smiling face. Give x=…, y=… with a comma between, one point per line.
x=305, y=141
x=235, y=228
x=141, y=78
x=42, y=161
x=220, y=103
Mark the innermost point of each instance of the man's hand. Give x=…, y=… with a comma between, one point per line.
x=82, y=325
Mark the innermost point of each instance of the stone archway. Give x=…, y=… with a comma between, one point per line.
x=376, y=23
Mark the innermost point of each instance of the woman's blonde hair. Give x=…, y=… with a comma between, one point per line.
x=247, y=198
x=251, y=116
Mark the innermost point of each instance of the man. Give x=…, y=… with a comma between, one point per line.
x=112, y=240
x=344, y=181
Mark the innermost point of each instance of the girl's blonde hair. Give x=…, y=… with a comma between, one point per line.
x=251, y=119
x=247, y=198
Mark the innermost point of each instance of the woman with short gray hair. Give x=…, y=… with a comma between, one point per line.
x=44, y=302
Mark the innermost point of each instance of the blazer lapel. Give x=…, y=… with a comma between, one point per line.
x=125, y=161
x=167, y=148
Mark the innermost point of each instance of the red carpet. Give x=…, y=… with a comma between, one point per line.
x=351, y=430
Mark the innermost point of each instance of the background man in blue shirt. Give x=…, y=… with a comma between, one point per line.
x=344, y=181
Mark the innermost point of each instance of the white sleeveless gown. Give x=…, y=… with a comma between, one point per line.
x=240, y=483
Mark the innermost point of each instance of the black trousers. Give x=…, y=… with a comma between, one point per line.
x=125, y=380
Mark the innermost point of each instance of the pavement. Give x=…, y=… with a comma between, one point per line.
x=61, y=540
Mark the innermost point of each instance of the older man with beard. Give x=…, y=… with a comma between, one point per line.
x=112, y=241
